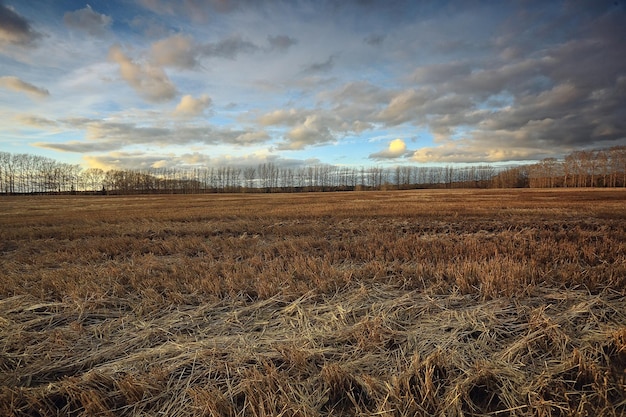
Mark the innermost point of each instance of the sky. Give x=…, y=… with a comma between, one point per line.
x=137, y=84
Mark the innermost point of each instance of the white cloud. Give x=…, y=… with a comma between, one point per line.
x=191, y=107
x=175, y=51
x=149, y=81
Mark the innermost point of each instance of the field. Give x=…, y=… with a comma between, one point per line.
x=403, y=303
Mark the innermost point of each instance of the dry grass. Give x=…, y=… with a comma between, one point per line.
x=446, y=303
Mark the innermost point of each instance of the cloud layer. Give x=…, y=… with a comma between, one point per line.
x=354, y=82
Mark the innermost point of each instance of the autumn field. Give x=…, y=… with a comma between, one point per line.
x=400, y=303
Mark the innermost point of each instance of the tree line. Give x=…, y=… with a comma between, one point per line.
x=32, y=174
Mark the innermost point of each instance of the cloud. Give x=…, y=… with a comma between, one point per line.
x=313, y=131
x=396, y=149
x=183, y=52
x=149, y=81
x=77, y=146
x=238, y=137
x=311, y=127
x=150, y=26
x=128, y=160
x=357, y=101
x=88, y=20
x=106, y=135
x=324, y=66
x=281, y=42
x=36, y=121
x=228, y=48
x=524, y=80
x=472, y=152
x=444, y=72
x=15, y=29
x=251, y=137
x=357, y=92
x=175, y=51
x=148, y=160
x=110, y=135
x=198, y=10
x=191, y=107
x=559, y=87
x=374, y=39
x=15, y=84
x=280, y=117
x=402, y=107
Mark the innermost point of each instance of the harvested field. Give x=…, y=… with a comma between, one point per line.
x=445, y=303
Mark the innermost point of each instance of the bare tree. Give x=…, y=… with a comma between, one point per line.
x=93, y=179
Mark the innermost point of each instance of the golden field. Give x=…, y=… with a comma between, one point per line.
x=401, y=303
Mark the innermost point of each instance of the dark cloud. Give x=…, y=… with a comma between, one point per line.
x=184, y=52
x=357, y=103
x=202, y=10
x=441, y=72
x=324, y=66
x=199, y=10
x=374, y=39
x=79, y=147
x=88, y=20
x=356, y=92
x=281, y=42
x=113, y=136
x=551, y=85
x=543, y=85
x=15, y=29
x=228, y=48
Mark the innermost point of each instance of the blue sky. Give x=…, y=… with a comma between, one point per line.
x=153, y=83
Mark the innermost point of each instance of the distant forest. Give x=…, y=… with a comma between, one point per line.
x=32, y=174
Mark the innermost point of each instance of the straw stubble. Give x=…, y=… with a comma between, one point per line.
x=407, y=309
